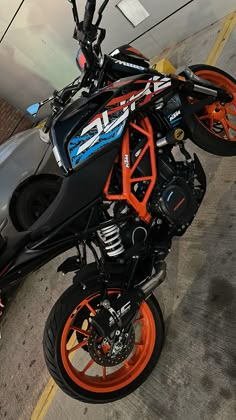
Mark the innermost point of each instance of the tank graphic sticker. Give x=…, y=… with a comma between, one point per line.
x=108, y=126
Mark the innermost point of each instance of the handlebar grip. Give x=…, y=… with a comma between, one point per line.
x=88, y=14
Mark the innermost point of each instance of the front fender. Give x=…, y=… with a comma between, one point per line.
x=83, y=276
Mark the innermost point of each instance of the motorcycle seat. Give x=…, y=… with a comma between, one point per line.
x=2, y=243
x=10, y=246
x=64, y=205
x=68, y=202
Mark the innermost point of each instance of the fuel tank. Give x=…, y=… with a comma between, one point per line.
x=131, y=55
x=94, y=124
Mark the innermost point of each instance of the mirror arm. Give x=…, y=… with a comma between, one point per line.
x=75, y=12
x=100, y=12
x=45, y=101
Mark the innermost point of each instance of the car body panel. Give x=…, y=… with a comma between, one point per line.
x=48, y=165
x=22, y=157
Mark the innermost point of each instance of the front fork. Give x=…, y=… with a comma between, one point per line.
x=118, y=316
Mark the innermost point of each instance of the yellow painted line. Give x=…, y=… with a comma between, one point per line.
x=48, y=393
x=45, y=400
x=222, y=39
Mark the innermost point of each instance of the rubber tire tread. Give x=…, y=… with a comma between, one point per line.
x=201, y=136
x=52, y=334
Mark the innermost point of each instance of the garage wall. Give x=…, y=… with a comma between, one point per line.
x=12, y=121
x=38, y=52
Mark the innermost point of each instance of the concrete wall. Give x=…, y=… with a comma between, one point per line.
x=38, y=52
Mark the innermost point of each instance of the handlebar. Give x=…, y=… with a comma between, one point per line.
x=88, y=15
x=86, y=34
x=60, y=99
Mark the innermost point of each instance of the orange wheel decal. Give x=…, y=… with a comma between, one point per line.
x=218, y=115
x=128, y=171
x=95, y=378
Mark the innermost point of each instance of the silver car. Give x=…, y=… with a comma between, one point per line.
x=29, y=179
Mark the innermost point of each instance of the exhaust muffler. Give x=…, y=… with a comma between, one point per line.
x=158, y=278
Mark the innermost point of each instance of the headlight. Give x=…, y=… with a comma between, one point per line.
x=80, y=60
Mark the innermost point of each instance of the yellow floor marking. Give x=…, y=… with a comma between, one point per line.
x=221, y=39
x=45, y=400
x=50, y=390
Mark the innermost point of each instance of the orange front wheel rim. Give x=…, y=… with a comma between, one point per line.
x=218, y=118
x=85, y=372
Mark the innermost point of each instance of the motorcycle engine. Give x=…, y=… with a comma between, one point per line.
x=175, y=196
x=177, y=202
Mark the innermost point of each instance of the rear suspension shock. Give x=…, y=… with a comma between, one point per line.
x=110, y=236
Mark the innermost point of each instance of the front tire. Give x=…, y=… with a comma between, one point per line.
x=211, y=129
x=69, y=322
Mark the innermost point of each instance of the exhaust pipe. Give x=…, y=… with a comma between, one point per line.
x=158, y=278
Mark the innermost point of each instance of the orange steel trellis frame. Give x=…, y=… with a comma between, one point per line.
x=127, y=194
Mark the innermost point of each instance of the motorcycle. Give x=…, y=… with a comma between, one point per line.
x=124, y=197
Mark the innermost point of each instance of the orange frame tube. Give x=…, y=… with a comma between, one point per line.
x=127, y=171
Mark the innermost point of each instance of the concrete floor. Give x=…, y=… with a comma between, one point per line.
x=195, y=377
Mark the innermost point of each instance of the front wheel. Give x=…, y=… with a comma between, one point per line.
x=82, y=364
x=214, y=127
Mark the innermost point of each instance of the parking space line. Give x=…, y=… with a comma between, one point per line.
x=51, y=388
x=49, y=392
x=45, y=400
x=221, y=40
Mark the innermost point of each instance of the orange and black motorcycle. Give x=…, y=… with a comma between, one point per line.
x=124, y=196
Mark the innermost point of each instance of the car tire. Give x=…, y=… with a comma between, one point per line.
x=33, y=199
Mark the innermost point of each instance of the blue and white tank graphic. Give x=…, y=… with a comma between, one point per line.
x=100, y=132
x=108, y=126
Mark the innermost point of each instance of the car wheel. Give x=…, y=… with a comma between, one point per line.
x=33, y=199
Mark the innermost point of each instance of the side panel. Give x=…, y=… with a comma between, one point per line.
x=109, y=125
x=76, y=192
x=72, y=119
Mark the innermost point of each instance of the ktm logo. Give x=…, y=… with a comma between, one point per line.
x=173, y=116
x=104, y=125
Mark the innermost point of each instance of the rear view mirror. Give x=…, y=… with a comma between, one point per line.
x=33, y=109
